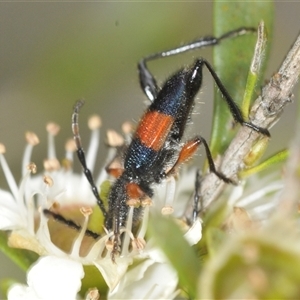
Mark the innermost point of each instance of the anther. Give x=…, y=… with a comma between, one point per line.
x=32, y=167
x=114, y=139
x=92, y=294
x=133, y=203
x=146, y=202
x=70, y=145
x=167, y=210
x=2, y=149
x=94, y=122
x=127, y=127
x=55, y=205
x=31, y=138
x=51, y=164
x=48, y=180
x=53, y=128
x=86, y=211
x=138, y=244
x=109, y=244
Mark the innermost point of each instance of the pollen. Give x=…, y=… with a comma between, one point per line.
x=94, y=122
x=31, y=138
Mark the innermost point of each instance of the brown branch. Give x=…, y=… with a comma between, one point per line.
x=265, y=113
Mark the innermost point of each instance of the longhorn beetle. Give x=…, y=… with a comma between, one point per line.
x=156, y=149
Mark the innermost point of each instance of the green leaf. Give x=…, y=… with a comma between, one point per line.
x=276, y=158
x=23, y=258
x=169, y=237
x=232, y=59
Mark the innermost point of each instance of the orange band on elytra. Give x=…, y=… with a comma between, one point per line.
x=154, y=128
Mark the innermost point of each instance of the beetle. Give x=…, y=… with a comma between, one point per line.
x=156, y=150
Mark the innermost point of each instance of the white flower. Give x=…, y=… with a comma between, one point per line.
x=252, y=203
x=64, y=249
x=50, y=278
x=153, y=277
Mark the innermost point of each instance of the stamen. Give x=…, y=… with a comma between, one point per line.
x=52, y=130
x=32, y=140
x=8, y=175
x=114, y=139
x=91, y=155
x=26, y=203
x=70, y=148
x=76, y=246
x=170, y=196
x=143, y=227
x=128, y=229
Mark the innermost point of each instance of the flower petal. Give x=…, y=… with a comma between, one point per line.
x=21, y=291
x=194, y=234
x=113, y=272
x=10, y=217
x=55, y=278
x=148, y=280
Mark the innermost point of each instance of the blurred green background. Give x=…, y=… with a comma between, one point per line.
x=55, y=53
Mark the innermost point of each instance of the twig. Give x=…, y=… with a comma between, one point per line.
x=265, y=113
